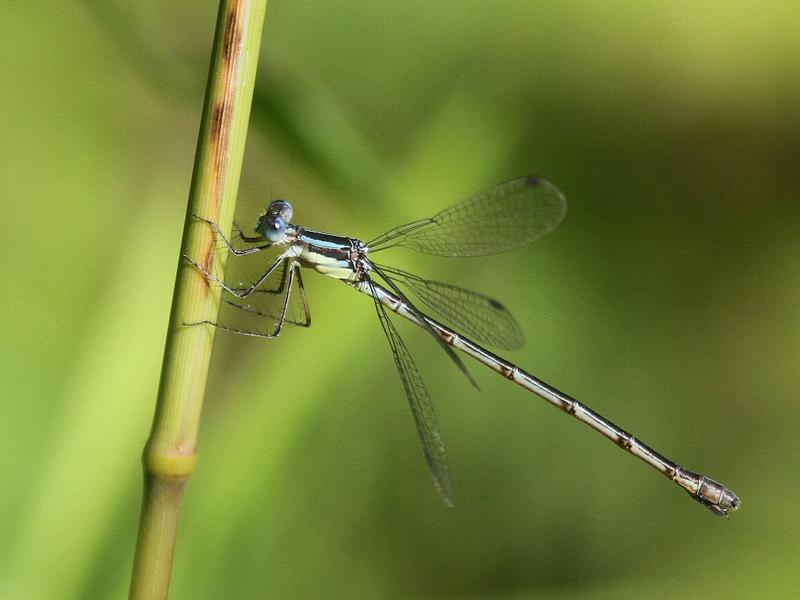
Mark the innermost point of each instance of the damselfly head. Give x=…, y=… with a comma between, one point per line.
x=272, y=224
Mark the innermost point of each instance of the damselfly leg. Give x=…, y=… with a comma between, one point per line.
x=240, y=234
x=263, y=299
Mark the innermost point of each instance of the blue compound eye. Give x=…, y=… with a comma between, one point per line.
x=272, y=224
x=274, y=229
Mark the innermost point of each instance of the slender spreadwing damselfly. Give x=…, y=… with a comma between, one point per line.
x=498, y=220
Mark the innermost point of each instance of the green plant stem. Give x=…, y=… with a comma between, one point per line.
x=170, y=453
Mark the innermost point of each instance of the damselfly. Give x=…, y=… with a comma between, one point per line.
x=498, y=220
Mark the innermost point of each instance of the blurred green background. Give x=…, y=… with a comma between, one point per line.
x=667, y=300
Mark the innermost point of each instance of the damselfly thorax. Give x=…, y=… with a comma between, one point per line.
x=333, y=255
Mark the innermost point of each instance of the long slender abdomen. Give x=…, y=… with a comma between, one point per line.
x=713, y=495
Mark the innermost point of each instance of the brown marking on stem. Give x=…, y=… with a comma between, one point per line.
x=216, y=121
x=222, y=114
x=220, y=139
x=208, y=263
x=233, y=34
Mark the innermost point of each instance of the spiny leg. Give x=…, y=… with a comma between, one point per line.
x=246, y=238
x=259, y=313
x=257, y=334
x=282, y=284
x=303, y=296
x=286, y=297
x=307, y=312
x=231, y=247
x=238, y=292
x=255, y=311
x=277, y=290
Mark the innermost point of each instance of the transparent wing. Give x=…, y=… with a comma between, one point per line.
x=476, y=315
x=497, y=220
x=421, y=408
x=425, y=325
